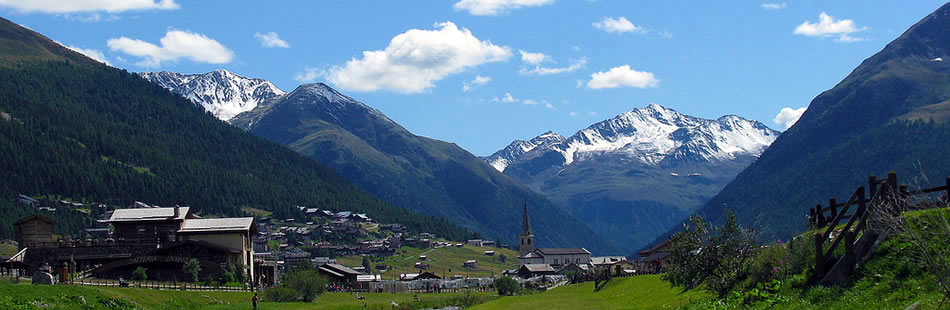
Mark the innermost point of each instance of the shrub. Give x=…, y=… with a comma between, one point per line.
x=307, y=281
x=506, y=286
x=192, y=268
x=280, y=294
x=140, y=274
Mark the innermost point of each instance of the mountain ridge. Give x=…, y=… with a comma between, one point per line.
x=418, y=173
x=638, y=173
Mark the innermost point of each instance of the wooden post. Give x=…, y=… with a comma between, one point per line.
x=834, y=207
x=872, y=183
x=892, y=181
x=820, y=216
x=948, y=190
x=819, y=257
x=811, y=217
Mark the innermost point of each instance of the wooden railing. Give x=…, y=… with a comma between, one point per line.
x=856, y=237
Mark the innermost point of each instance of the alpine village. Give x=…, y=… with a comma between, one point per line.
x=220, y=165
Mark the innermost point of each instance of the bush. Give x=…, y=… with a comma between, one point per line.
x=307, y=281
x=506, y=286
x=280, y=294
x=192, y=268
x=140, y=274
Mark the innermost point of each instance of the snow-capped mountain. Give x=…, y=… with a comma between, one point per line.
x=639, y=173
x=220, y=92
x=650, y=135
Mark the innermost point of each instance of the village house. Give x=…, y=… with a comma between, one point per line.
x=339, y=274
x=35, y=231
x=28, y=201
x=655, y=259
x=535, y=270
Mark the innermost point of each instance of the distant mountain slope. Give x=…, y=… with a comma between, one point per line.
x=220, y=92
x=856, y=129
x=639, y=173
x=426, y=175
x=76, y=128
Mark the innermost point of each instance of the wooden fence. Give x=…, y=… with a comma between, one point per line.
x=881, y=196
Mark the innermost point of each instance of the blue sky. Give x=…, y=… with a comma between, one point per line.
x=481, y=73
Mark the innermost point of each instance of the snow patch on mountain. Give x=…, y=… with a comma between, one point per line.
x=651, y=135
x=220, y=92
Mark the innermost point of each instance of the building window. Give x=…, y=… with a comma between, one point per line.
x=522, y=241
x=529, y=241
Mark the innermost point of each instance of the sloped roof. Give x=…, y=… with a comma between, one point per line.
x=538, y=268
x=341, y=269
x=36, y=217
x=600, y=260
x=563, y=251
x=218, y=224
x=148, y=214
x=655, y=248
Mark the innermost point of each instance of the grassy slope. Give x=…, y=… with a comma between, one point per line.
x=26, y=296
x=641, y=292
x=888, y=280
x=442, y=259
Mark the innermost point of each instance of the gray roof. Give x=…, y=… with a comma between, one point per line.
x=538, y=267
x=219, y=224
x=147, y=214
x=563, y=251
x=340, y=269
x=600, y=260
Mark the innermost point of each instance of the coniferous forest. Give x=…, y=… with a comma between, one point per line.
x=98, y=134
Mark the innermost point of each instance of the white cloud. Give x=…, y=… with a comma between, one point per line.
x=573, y=114
x=827, y=26
x=774, y=6
x=270, y=39
x=619, y=25
x=533, y=58
x=507, y=98
x=176, y=44
x=666, y=34
x=74, y=6
x=580, y=63
x=622, y=76
x=417, y=58
x=309, y=75
x=476, y=83
x=787, y=117
x=91, y=53
x=496, y=7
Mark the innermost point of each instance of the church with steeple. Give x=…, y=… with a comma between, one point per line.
x=555, y=257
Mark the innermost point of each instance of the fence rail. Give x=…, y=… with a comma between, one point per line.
x=880, y=196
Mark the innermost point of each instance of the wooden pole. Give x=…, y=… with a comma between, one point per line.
x=819, y=257
x=872, y=183
x=833, y=206
x=820, y=216
x=948, y=190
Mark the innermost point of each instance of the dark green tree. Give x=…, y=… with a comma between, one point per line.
x=506, y=286
x=717, y=256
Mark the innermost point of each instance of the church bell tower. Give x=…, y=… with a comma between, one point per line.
x=527, y=239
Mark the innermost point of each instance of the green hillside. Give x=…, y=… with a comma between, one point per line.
x=858, y=128
x=83, y=130
x=441, y=260
x=641, y=292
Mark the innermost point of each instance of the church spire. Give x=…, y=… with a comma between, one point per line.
x=527, y=239
x=525, y=223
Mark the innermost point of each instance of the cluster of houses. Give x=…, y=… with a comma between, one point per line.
x=164, y=239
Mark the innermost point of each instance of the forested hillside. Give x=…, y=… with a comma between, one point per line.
x=83, y=130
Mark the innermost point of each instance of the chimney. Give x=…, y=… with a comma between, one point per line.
x=177, y=211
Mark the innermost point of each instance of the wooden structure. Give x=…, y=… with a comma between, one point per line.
x=35, y=231
x=881, y=197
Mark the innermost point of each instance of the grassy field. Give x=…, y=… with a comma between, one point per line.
x=26, y=296
x=640, y=292
x=441, y=260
